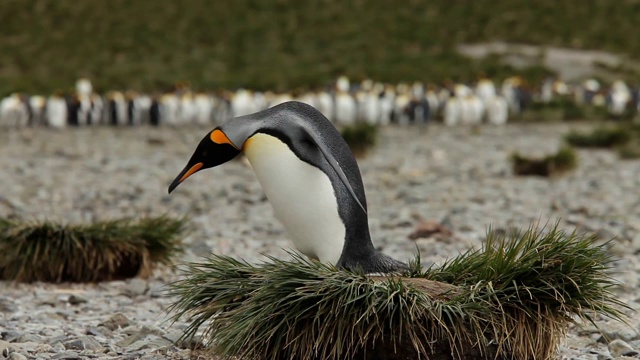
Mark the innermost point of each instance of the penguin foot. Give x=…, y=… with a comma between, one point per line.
x=379, y=263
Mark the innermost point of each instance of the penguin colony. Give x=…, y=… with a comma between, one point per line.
x=344, y=103
x=309, y=176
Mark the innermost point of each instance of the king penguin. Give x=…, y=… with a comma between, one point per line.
x=309, y=176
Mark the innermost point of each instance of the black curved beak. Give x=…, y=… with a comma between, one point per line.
x=213, y=150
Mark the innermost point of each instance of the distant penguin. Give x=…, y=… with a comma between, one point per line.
x=497, y=110
x=37, y=105
x=73, y=110
x=346, y=109
x=14, y=111
x=56, y=111
x=309, y=176
x=452, y=111
x=154, y=113
x=204, y=108
x=325, y=103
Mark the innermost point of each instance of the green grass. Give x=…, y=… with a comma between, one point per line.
x=562, y=161
x=283, y=44
x=624, y=138
x=360, y=137
x=600, y=137
x=110, y=250
x=512, y=299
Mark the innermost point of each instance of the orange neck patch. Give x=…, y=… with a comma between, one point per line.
x=218, y=137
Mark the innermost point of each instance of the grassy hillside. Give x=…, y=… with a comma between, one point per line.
x=150, y=44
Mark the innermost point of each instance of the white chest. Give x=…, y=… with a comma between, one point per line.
x=301, y=195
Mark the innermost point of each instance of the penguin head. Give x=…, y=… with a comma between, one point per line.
x=213, y=150
x=228, y=140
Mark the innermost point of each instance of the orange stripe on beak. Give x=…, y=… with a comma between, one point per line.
x=218, y=137
x=193, y=169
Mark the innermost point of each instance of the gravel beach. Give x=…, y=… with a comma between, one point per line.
x=458, y=177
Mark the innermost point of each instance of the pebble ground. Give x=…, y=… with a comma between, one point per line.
x=458, y=177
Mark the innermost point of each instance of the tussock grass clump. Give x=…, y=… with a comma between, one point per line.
x=601, y=137
x=562, y=161
x=109, y=250
x=512, y=299
x=630, y=151
x=623, y=138
x=360, y=137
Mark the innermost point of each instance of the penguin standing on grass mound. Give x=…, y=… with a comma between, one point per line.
x=310, y=177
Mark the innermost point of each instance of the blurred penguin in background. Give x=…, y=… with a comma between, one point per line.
x=56, y=111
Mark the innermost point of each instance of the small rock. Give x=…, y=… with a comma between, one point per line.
x=619, y=348
x=10, y=336
x=67, y=355
x=427, y=229
x=604, y=357
x=58, y=347
x=5, y=348
x=42, y=348
x=157, y=290
x=58, y=339
x=94, y=332
x=77, y=299
x=149, y=342
x=116, y=321
x=53, y=302
x=83, y=343
x=154, y=140
x=29, y=338
x=131, y=339
x=622, y=331
x=7, y=306
x=17, y=356
x=135, y=287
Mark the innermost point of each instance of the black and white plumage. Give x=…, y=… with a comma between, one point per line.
x=309, y=176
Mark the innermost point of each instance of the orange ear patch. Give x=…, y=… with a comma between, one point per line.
x=218, y=137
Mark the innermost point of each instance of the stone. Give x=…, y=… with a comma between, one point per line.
x=77, y=299
x=29, y=338
x=619, y=330
x=619, y=348
x=17, y=356
x=427, y=229
x=149, y=342
x=159, y=290
x=7, y=306
x=10, y=336
x=131, y=339
x=135, y=287
x=67, y=355
x=604, y=357
x=58, y=347
x=6, y=348
x=58, y=339
x=116, y=321
x=83, y=343
x=42, y=348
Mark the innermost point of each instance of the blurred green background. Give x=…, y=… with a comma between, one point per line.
x=285, y=44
